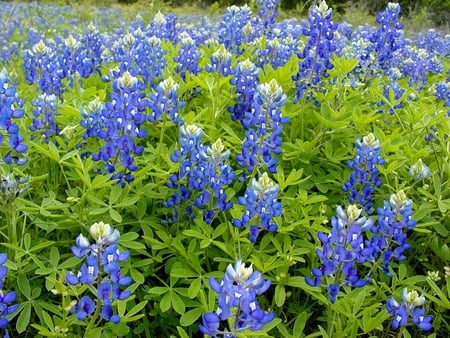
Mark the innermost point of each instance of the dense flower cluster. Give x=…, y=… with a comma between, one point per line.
x=232, y=32
x=387, y=38
x=10, y=109
x=44, y=116
x=268, y=11
x=238, y=306
x=319, y=48
x=409, y=311
x=442, y=92
x=41, y=67
x=7, y=299
x=356, y=239
x=261, y=206
x=342, y=250
x=203, y=175
x=165, y=100
x=101, y=271
x=264, y=124
x=188, y=56
x=389, y=232
x=220, y=62
x=118, y=123
x=364, y=178
x=245, y=81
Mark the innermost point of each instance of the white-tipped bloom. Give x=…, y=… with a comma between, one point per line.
x=419, y=170
x=103, y=233
x=239, y=272
x=412, y=298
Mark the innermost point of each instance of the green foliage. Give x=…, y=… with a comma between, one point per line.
x=171, y=264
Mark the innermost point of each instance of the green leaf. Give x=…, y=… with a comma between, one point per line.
x=24, y=318
x=69, y=263
x=280, y=295
x=182, y=333
x=116, y=217
x=134, y=310
x=177, y=302
x=23, y=284
x=300, y=323
x=194, y=288
x=158, y=290
x=48, y=320
x=182, y=273
x=165, y=302
x=191, y=316
x=115, y=193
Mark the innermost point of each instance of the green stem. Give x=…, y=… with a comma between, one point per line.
x=11, y=219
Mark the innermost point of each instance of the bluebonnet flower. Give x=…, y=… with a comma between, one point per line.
x=409, y=311
x=44, y=116
x=231, y=29
x=119, y=124
x=245, y=81
x=264, y=126
x=165, y=100
x=237, y=302
x=203, y=175
x=434, y=42
x=442, y=92
x=389, y=233
x=220, y=62
x=188, y=57
x=93, y=46
x=261, y=206
x=276, y=51
x=141, y=54
x=10, y=188
x=342, y=251
x=101, y=270
x=10, y=109
x=364, y=178
x=417, y=64
x=41, y=67
x=386, y=39
x=419, y=170
x=7, y=299
x=268, y=11
x=393, y=94
x=319, y=48
x=164, y=26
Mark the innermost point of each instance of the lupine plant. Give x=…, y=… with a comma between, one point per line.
x=101, y=273
x=269, y=176
x=7, y=299
x=238, y=306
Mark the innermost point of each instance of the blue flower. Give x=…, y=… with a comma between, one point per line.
x=419, y=170
x=317, y=53
x=202, y=177
x=342, y=250
x=264, y=124
x=261, y=206
x=119, y=124
x=364, y=178
x=237, y=294
x=85, y=307
x=409, y=311
x=10, y=109
x=7, y=299
x=102, y=271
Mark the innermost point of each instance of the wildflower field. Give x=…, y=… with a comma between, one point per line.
x=230, y=176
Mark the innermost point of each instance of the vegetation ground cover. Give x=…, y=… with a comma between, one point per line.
x=241, y=175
